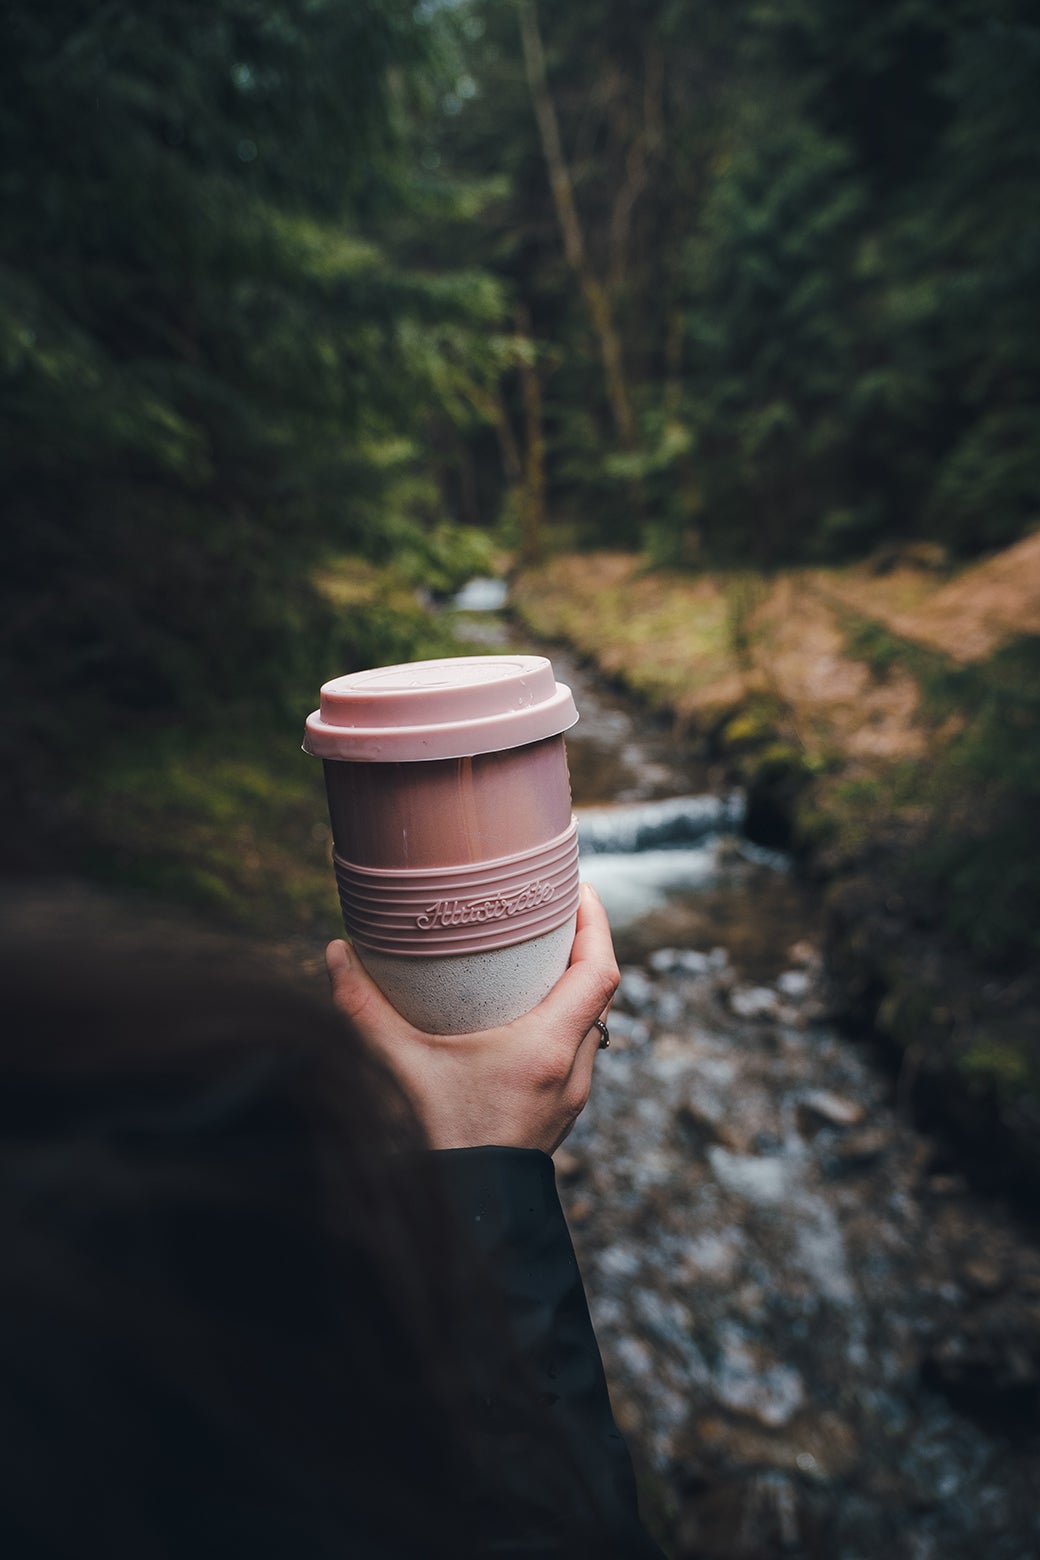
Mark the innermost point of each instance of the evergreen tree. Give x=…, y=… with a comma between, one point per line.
x=217, y=361
x=798, y=242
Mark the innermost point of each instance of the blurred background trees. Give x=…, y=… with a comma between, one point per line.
x=287, y=279
x=218, y=359
x=812, y=229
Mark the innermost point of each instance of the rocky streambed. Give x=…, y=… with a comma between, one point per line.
x=820, y=1341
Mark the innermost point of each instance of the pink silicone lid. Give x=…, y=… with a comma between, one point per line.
x=452, y=708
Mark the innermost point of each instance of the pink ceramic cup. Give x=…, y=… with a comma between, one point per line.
x=455, y=848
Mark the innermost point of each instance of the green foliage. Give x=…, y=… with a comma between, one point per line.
x=222, y=352
x=771, y=342
x=446, y=557
x=987, y=490
x=981, y=849
x=883, y=651
x=274, y=278
x=818, y=225
x=972, y=803
x=234, y=827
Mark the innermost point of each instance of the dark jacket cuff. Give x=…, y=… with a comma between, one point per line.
x=507, y=1204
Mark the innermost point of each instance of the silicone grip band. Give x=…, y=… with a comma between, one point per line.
x=467, y=909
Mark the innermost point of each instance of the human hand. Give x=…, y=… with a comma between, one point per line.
x=522, y=1085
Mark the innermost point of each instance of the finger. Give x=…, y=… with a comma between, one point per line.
x=582, y=994
x=585, y=1061
x=589, y=983
x=337, y=958
x=592, y=939
x=357, y=997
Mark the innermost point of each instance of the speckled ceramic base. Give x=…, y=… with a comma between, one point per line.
x=461, y=993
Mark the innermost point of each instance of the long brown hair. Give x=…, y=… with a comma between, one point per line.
x=230, y=1291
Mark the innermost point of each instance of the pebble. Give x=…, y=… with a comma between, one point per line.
x=752, y=1381
x=802, y=952
x=702, y=1121
x=669, y=1008
x=754, y=1001
x=794, y=984
x=857, y=1151
x=568, y=1164
x=680, y=961
x=625, y=1030
x=833, y=1110
x=637, y=991
x=756, y=1179
x=985, y=1277
x=821, y=1447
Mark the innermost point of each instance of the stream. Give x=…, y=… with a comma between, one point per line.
x=819, y=1341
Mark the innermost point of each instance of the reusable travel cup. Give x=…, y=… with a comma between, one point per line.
x=455, y=849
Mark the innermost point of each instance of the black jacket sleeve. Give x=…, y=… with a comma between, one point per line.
x=506, y=1201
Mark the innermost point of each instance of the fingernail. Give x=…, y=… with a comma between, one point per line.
x=590, y=890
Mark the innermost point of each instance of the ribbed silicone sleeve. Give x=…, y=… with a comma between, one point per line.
x=466, y=909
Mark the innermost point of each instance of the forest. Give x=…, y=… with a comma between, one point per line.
x=750, y=281
x=400, y=289
x=396, y=290
x=716, y=328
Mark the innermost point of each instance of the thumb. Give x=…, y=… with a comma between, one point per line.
x=354, y=993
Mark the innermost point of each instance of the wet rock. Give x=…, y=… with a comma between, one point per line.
x=626, y=1031
x=568, y=1164
x=795, y=984
x=983, y=1275
x=815, y=1011
x=754, y=1002
x=723, y=981
x=817, y=1447
x=755, y=1383
x=712, y=1256
x=803, y=952
x=757, y=1180
x=823, y=1109
x=670, y=1008
x=857, y=1151
x=696, y=1127
x=637, y=992
x=793, y=1017
x=703, y=1121
x=681, y=961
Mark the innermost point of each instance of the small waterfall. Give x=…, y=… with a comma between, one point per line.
x=639, y=855
x=671, y=824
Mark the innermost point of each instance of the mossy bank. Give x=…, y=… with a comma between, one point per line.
x=885, y=725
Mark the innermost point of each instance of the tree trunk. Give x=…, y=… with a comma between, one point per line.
x=597, y=299
x=532, y=509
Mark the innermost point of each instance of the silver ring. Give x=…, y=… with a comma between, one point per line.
x=604, y=1033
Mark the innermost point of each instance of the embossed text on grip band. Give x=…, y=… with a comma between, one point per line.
x=464, y=909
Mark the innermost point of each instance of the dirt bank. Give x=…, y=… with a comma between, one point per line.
x=882, y=717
